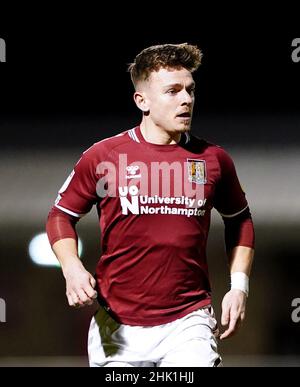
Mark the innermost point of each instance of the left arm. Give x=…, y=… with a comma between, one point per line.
x=230, y=201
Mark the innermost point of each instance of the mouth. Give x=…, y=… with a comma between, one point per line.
x=185, y=115
x=185, y=118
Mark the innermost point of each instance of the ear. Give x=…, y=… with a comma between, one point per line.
x=141, y=101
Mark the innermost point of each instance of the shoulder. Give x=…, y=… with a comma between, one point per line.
x=103, y=147
x=208, y=147
x=213, y=152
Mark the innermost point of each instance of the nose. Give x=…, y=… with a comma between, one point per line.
x=187, y=98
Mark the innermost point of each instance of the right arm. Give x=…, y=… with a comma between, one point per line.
x=76, y=197
x=63, y=238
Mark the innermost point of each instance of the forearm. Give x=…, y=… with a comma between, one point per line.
x=63, y=238
x=66, y=252
x=234, y=301
x=80, y=283
x=240, y=240
x=240, y=259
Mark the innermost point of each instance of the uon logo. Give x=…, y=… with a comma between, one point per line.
x=2, y=50
x=133, y=205
x=132, y=172
x=2, y=310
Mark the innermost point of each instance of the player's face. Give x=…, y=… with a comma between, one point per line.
x=170, y=96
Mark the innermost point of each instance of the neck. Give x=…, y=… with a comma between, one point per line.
x=155, y=135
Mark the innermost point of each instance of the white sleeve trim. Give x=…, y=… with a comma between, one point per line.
x=68, y=211
x=233, y=215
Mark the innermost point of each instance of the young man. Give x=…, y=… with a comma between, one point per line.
x=154, y=187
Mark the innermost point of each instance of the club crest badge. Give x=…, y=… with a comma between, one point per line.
x=196, y=171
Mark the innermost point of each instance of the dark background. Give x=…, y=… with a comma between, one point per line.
x=65, y=86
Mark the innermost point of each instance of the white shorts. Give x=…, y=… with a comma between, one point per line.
x=186, y=342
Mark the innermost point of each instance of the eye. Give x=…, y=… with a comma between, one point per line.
x=171, y=91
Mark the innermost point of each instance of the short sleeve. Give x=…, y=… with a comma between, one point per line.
x=78, y=193
x=230, y=199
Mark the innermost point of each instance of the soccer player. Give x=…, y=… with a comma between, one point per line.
x=154, y=187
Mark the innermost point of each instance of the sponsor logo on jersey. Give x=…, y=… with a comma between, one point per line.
x=134, y=203
x=196, y=171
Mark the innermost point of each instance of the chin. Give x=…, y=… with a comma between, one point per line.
x=180, y=128
x=185, y=128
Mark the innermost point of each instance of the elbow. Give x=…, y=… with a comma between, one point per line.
x=239, y=231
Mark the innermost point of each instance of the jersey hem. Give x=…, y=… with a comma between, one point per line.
x=159, y=321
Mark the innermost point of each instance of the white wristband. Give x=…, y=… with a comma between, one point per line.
x=240, y=280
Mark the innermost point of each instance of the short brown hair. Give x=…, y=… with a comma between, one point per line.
x=164, y=56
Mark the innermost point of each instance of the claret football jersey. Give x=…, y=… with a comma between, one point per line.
x=154, y=204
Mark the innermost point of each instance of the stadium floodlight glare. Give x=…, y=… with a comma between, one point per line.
x=41, y=253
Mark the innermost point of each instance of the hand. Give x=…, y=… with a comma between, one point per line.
x=80, y=286
x=233, y=311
